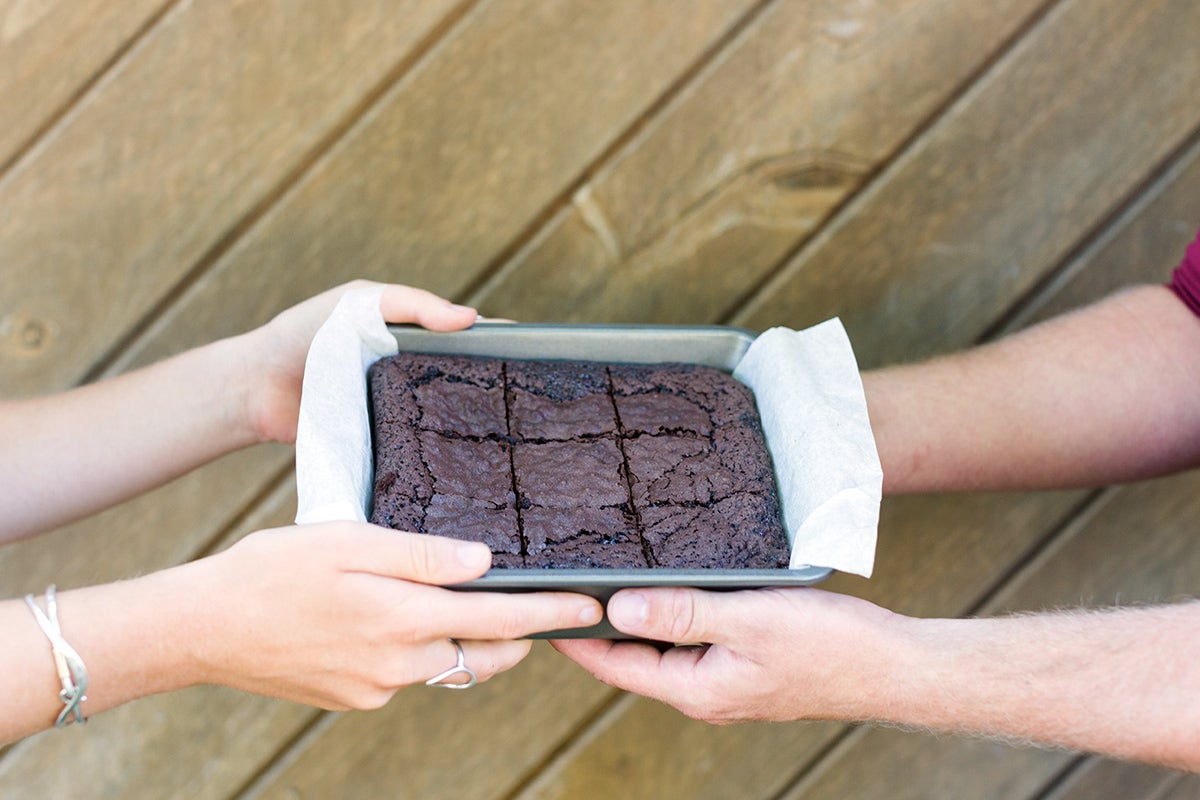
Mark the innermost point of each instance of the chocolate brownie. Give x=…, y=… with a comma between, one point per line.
x=559, y=400
x=585, y=536
x=561, y=464
x=569, y=474
x=731, y=527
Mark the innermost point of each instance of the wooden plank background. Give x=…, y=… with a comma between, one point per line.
x=938, y=173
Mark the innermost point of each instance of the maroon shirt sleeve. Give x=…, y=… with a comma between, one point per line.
x=1185, y=280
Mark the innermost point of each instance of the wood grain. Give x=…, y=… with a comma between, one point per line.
x=51, y=51
x=204, y=120
x=1001, y=187
x=810, y=101
x=456, y=160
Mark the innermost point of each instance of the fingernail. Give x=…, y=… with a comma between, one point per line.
x=628, y=609
x=590, y=614
x=457, y=307
x=473, y=555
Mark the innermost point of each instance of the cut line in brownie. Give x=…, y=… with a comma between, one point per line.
x=569, y=464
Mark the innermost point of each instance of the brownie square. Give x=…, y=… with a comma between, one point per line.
x=466, y=402
x=742, y=529
x=401, y=476
x=744, y=449
x=470, y=520
x=584, y=537
x=444, y=393
x=660, y=413
x=393, y=404
x=680, y=470
x=566, y=475
x=715, y=395
x=477, y=469
x=559, y=400
x=654, y=460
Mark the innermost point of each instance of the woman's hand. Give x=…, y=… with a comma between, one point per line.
x=338, y=615
x=275, y=353
x=341, y=615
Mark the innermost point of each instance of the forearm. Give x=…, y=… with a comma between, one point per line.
x=1120, y=683
x=1103, y=395
x=65, y=456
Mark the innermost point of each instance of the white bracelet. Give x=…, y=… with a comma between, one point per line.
x=71, y=671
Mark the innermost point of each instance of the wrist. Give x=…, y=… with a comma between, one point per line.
x=203, y=651
x=133, y=636
x=244, y=366
x=886, y=656
x=864, y=659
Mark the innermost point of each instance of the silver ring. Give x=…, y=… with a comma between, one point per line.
x=460, y=668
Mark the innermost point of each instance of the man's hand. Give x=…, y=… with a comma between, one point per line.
x=1118, y=682
x=771, y=654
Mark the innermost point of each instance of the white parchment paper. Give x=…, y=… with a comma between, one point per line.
x=333, y=439
x=814, y=415
x=806, y=382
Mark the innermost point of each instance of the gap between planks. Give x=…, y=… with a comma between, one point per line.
x=291, y=751
x=1062, y=778
x=1100, y=236
x=1065, y=782
x=60, y=116
x=611, y=708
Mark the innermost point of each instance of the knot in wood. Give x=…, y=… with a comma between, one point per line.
x=26, y=336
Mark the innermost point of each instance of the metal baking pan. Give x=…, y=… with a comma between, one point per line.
x=708, y=345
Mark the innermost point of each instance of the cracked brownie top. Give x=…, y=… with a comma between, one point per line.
x=575, y=464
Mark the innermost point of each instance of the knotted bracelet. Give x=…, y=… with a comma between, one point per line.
x=71, y=671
